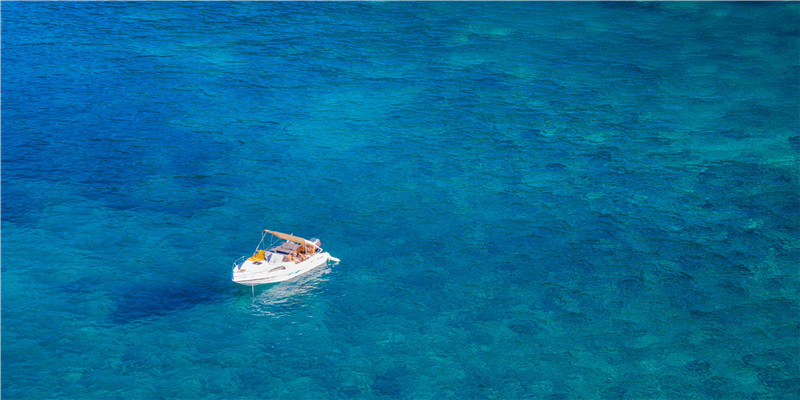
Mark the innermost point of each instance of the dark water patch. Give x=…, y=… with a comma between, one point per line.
x=739, y=178
x=525, y=328
x=392, y=383
x=82, y=286
x=794, y=142
x=631, y=287
x=143, y=302
x=698, y=367
x=556, y=167
x=20, y=206
x=614, y=392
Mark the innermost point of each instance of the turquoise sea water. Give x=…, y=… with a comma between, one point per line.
x=530, y=200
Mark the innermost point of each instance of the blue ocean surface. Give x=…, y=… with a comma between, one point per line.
x=530, y=200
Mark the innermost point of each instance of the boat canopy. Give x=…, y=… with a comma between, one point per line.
x=291, y=238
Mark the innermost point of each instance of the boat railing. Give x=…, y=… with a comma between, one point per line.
x=238, y=261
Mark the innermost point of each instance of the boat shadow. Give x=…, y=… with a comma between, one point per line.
x=142, y=302
x=146, y=301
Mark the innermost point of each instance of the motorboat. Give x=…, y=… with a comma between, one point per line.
x=287, y=257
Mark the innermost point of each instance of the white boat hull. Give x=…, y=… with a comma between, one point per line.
x=257, y=273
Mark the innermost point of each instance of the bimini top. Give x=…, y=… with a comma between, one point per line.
x=286, y=236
